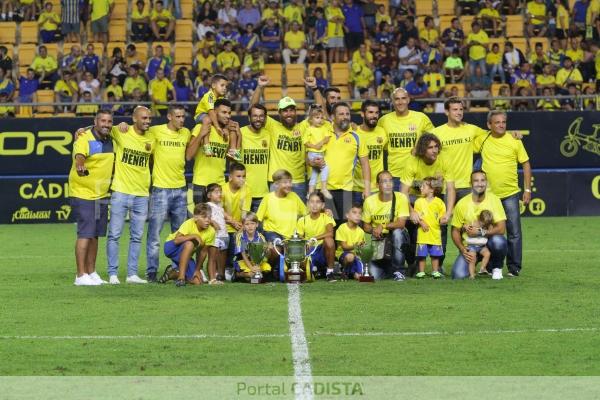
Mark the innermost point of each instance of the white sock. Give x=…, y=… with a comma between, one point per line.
x=3, y=16
x=329, y=270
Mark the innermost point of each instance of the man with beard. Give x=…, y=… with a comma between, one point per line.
x=255, y=154
x=343, y=151
x=403, y=127
x=211, y=169
x=130, y=187
x=286, y=148
x=464, y=225
x=332, y=95
x=89, y=180
x=375, y=139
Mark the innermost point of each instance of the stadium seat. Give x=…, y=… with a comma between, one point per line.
x=111, y=46
x=340, y=74
x=118, y=30
x=272, y=93
x=466, y=21
x=29, y=32
x=479, y=109
x=119, y=10
x=445, y=7
x=344, y=93
x=496, y=88
x=98, y=48
x=297, y=93
x=165, y=45
x=65, y=115
x=543, y=41
x=8, y=32
x=24, y=112
x=424, y=7
x=273, y=71
x=521, y=44
x=294, y=74
x=187, y=9
x=56, y=6
x=52, y=49
x=459, y=86
x=42, y=114
x=445, y=22
x=184, y=30
x=323, y=66
x=499, y=41
x=184, y=53
x=514, y=26
x=26, y=54
x=45, y=96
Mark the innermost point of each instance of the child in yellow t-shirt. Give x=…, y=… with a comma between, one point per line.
x=429, y=235
x=244, y=267
x=348, y=236
x=317, y=136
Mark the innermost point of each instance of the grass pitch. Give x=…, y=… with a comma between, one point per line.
x=542, y=323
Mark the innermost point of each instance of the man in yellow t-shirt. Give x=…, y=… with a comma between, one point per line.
x=130, y=189
x=168, y=196
x=227, y=58
x=159, y=89
x=403, y=127
x=100, y=15
x=477, y=42
x=294, y=12
x=45, y=66
x=134, y=81
x=89, y=180
x=379, y=222
x=162, y=22
x=140, y=22
x=335, y=31
x=501, y=155
x=294, y=42
x=536, y=18
x=466, y=213
x=255, y=154
x=48, y=22
x=566, y=75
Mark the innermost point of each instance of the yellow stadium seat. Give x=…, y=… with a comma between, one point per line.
x=313, y=66
x=42, y=114
x=29, y=32
x=297, y=93
x=496, y=88
x=166, y=48
x=26, y=54
x=344, y=93
x=52, y=49
x=184, y=53
x=499, y=41
x=111, y=46
x=98, y=49
x=187, y=9
x=459, y=86
x=118, y=30
x=56, y=6
x=65, y=115
x=424, y=7
x=295, y=74
x=543, y=41
x=119, y=10
x=184, y=30
x=273, y=71
x=520, y=43
x=8, y=32
x=24, y=111
x=340, y=74
x=272, y=94
x=445, y=22
x=466, y=21
x=445, y=7
x=479, y=109
x=45, y=96
x=514, y=25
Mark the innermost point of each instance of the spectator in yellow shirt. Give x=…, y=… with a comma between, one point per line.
x=48, y=22
x=140, y=22
x=335, y=32
x=566, y=75
x=294, y=43
x=159, y=89
x=66, y=90
x=134, y=81
x=477, y=43
x=490, y=19
x=162, y=22
x=429, y=34
x=493, y=61
x=294, y=12
x=45, y=68
x=436, y=82
x=537, y=19
x=228, y=59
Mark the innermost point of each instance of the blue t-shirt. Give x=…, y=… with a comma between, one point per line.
x=246, y=38
x=270, y=32
x=232, y=37
x=6, y=87
x=321, y=27
x=90, y=64
x=246, y=85
x=156, y=63
x=454, y=37
x=579, y=11
x=353, y=15
x=182, y=93
x=414, y=89
x=384, y=37
x=27, y=88
x=322, y=83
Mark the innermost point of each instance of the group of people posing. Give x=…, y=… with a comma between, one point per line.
x=394, y=180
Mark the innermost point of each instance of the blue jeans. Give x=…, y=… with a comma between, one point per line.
x=120, y=204
x=497, y=247
x=513, y=230
x=496, y=69
x=176, y=8
x=171, y=203
x=384, y=269
x=474, y=63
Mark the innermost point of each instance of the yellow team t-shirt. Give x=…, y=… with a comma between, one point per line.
x=467, y=212
x=132, y=169
x=62, y=87
x=500, y=157
x=477, y=52
x=435, y=81
x=206, y=63
x=210, y=169
x=163, y=14
x=51, y=24
x=376, y=142
x=309, y=227
x=169, y=156
x=593, y=8
x=457, y=149
x=314, y=134
x=40, y=64
x=227, y=59
x=189, y=227
x=117, y=90
x=159, y=88
x=562, y=18
x=489, y=12
x=100, y=8
x=430, y=212
x=343, y=153
x=402, y=133
x=416, y=170
x=563, y=74
x=280, y=214
x=429, y=35
x=286, y=149
x=493, y=58
x=255, y=157
x=99, y=160
x=207, y=103
x=545, y=79
x=293, y=13
x=294, y=40
x=350, y=236
x=135, y=83
x=235, y=203
x=537, y=12
x=334, y=29
x=137, y=15
x=377, y=212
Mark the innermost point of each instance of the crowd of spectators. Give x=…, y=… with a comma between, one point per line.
x=385, y=45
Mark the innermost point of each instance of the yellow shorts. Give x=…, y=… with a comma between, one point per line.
x=241, y=266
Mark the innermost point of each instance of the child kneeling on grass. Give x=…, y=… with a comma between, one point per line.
x=196, y=235
x=244, y=267
x=476, y=245
x=429, y=235
x=348, y=236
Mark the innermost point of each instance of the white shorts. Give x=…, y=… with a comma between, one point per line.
x=222, y=242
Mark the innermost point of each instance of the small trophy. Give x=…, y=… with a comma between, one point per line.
x=364, y=252
x=295, y=253
x=257, y=252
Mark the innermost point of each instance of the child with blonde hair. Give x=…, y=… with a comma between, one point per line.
x=476, y=245
x=429, y=235
x=318, y=134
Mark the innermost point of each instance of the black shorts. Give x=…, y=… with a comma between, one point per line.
x=91, y=217
x=199, y=193
x=353, y=40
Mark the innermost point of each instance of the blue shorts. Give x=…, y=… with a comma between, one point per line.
x=431, y=250
x=355, y=268
x=271, y=236
x=173, y=252
x=91, y=217
x=318, y=259
x=200, y=117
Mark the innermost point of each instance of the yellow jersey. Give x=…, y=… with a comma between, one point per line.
x=429, y=35
x=163, y=14
x=563, y=74
x=207, y=103
x=402, y=133
x=40, y=64
x=467, y=212
x=169, y=156
x=416, y=170
x=343, y=153
x=227, y=59
x=377, y=212
x=100, y=8
x=63, y=87
x=235, y=203
x=500, y=157
x=477, y=51
x=334, y=29
x=309, y=227
x=350, y=236
x=132, y=169
x=430, y=212
x=294, y=40
x=375, y=141
x=537, y=11
x=208, y=63
x=189, y=227
x=210, y=169
x=292, y=13
x=286, y=149
x=255, y=157
x=99, y=160
x=435, y=81
x=314, y=134
x=280, y=214
x=159, y=89
x=135, y=83
x=457, y=149
x=51, y=24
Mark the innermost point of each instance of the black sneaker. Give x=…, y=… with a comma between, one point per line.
x=330, y=277
x=512, y=274
x=180, y=283
x=165, y=276
x=151, y=277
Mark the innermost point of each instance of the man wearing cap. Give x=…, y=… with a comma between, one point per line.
x=286, y=148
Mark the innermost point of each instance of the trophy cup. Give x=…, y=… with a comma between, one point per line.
x=295, y=253
x=256, y=253
x=364, y=252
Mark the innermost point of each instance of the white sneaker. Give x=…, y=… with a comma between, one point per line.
x=85, y=280
x=497, y=274
x=228, y=274
x=204, y=279
x=96, y=278
x=113, y=280
x=135, y=279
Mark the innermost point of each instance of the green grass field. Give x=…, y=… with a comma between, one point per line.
x=542, y=323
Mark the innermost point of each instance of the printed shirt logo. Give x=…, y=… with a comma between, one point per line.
x=379, y=140
x=412, y=127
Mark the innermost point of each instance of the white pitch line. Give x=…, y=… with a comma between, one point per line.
x=300, y=356
x=286, y=335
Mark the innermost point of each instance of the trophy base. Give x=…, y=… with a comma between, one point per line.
x=295, y=277
x=257, y=280
x=366, y=279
